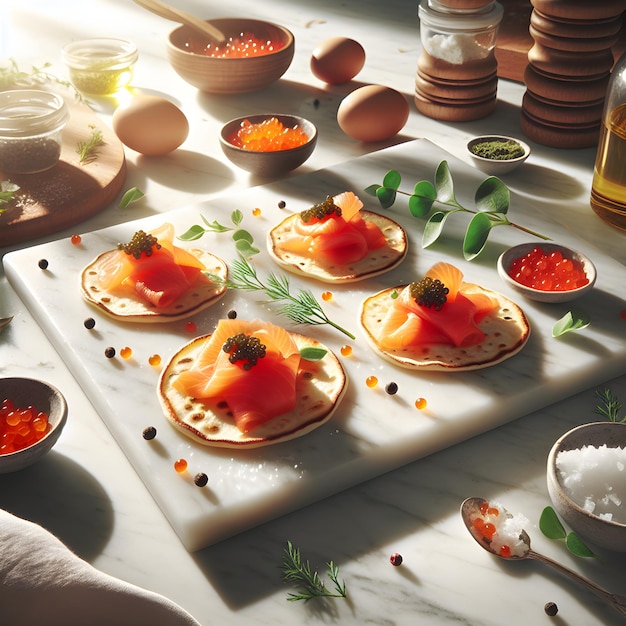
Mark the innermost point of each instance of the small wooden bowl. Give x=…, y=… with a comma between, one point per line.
x=230, y=75
x=44, y=397
x=508, y=256
x=496, y=167
x=603, y=533
x=268, y=163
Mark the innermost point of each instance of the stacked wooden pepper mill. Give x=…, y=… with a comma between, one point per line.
x=568, y=70
x=456, y=76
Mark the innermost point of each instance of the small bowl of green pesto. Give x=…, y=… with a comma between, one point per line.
x=497, y=154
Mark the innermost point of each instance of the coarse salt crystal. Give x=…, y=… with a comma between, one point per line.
x=593, y=477
x=455, y=49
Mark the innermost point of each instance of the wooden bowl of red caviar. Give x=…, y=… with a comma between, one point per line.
x=547, y=272
x=256, y=54
x=32, y=415
x=268, y=144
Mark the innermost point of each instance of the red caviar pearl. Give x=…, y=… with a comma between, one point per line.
x=180, y=465
x=371, y=381
x=346, y=350
x=76, y=239
x=191, y=327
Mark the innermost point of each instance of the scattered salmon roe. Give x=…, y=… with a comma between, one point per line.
x=256, y=212
x=505, y=552
x=421, y=404
x=180, y=465
x=191, y=327
x=76, y=239
x=327, y=296
x=126, y=352
x=154, y=360
x=241, y=46
x=20, y=427
x=270, y=135
x=548, y=271
x=371, y=381
x=346, y=350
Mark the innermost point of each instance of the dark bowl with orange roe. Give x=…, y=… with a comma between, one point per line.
x=33, y=414
x=255, y=54
x=547, y=272
x=268, y=144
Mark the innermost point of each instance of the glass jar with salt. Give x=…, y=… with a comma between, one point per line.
x=456, y=76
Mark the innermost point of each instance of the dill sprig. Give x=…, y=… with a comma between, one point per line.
x=7, y=193
x=311, y=585
x=609, y=406
x=88, y=150
x=302, y=307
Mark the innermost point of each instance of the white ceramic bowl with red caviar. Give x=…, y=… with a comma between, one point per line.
x=554, y=271
x=267, y=163
x=228, y=70
x=23, y=393
x=587, y=443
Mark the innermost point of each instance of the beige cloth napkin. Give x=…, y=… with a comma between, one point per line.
x=42, y=583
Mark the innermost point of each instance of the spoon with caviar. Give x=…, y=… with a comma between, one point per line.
x=500, y=533
x=182, y=17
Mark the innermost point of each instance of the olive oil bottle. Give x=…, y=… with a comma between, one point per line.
x=608, y=188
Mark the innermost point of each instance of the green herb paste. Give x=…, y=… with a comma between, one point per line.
x=498, y=150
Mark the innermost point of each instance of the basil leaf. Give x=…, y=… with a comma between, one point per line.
x=236, y=217
x=550, y=525
x=434, y=227
x=132, y=195
x=195, y=232
x=576, y=319
x=577, y=546
x=444, y=184
x=313, y=354
x=243, y=235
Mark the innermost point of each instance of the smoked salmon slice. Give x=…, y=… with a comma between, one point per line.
x=256, y=394
x=406, y=323
x=338, y=239
x=160, y=278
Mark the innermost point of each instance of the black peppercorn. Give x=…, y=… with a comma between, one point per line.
x=232, y=314
x=391, y=388
x=109, y=353
x=149, y=433
x=282, y=204
x=43, y=264
x=551, y=609
x=395, y=559
x=89, y=323
x=201, y=479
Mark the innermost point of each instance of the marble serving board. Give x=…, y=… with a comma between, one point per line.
x=372, y=432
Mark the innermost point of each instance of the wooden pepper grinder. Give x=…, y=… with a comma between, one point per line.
x=568, y=70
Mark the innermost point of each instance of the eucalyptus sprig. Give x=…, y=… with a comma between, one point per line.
x=244, y=242
x=551, y=526
x=302, y=307
x=492, y=200
x=609, y=406
x=297, y=571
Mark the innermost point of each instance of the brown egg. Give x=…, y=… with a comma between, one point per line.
x=373, y=113
x=150, y=125
x=337, y=60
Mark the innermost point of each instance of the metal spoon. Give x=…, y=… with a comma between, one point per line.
x=470, y=509
x=182, y=17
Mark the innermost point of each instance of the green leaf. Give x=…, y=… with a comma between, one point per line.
x=236, y=217
x=434, y=227
x=386, y=197
x=444, y=184
x=243, y=235
x=392, y=180
x=575, y=319
x=372, y=190
x=492, y=196
x=130, y=196
x=550, y=525
x=215, y=226
x=577, y=546
x=313, y=354
x=423, y=198
x=245, y=248
x=195, y=232
x=476, y=235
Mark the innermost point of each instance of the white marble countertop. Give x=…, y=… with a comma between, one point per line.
x=87, y=493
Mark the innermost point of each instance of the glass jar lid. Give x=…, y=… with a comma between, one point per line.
x=28, y=112
x=449, y=20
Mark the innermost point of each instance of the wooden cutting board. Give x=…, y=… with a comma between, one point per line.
x=71, y=191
